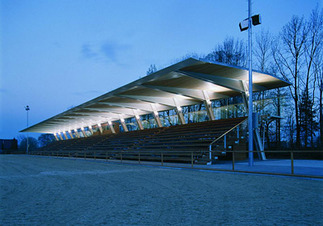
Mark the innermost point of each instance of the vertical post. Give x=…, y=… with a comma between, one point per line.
x=162, y=158
x=233, y=161
x=292, y=161
x=27, y=147
x=27, y=133
x=192, y=159
x=225, y=142
x=210, y=152
x=250, y=146
x=139, y=157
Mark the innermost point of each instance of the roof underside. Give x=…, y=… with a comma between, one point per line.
x=186, y=83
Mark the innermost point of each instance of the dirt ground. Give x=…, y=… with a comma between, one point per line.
x=49, y=191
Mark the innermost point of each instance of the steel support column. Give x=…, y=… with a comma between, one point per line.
x=137, y=117
x=179, y=112
x=123, y=124
x=91, y=130
x=71, y=134
x=100, y=128
x=56, y=137
x=208, y=106
x=83, y=132
x=111, y=127
x=156, y=116
x=77, y=133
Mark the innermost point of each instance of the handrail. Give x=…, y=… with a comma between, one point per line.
x=227, y=132
x=210, y=145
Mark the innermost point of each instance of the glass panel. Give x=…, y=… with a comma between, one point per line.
x=148, y=121
x=131, y=124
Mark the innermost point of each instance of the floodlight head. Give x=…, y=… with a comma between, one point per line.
x=244, y=25
x=256, y=20
x=27, y=108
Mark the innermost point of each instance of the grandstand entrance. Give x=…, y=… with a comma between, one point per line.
x=190, y=107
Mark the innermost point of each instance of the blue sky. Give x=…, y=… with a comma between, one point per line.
x=55, y=54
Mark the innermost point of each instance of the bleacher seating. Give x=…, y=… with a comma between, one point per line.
x=175, y=142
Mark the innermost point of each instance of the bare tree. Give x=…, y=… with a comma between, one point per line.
x=152, y=69
x=231, y=52
x=262, y=50
x=288, y=58
x=319, y=78
x=313, y=46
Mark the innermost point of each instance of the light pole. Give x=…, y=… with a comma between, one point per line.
x=27, y=110
x=247, y=25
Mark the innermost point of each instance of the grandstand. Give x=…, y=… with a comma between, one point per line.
x=173, y=114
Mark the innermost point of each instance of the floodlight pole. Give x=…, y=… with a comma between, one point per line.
x=27, y=110
x=250, y=107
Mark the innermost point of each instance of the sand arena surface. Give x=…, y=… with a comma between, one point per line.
x=49, y=191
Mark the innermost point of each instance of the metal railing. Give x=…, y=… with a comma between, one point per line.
x=223, y=135
x=235, y=160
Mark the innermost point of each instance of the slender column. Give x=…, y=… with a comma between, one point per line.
x=100, y=128
x=179, y=112
x=56, y=137
x=124, y=126
x=77, y=133
x=60, y=136
x=180, y=115
x=250, y=145
x=139, y=122
x=209, y=110
x=208, y=106
x=137, y=117
x=157, y=119
x=71, y=134
x=65, y=135
x=91, y=130
x=245, y=94
x=156, y=116
x=111, y=127
x=84, y=134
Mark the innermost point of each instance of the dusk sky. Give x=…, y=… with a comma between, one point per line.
x=55, y=54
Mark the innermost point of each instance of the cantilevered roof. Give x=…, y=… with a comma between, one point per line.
x=185, y=83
